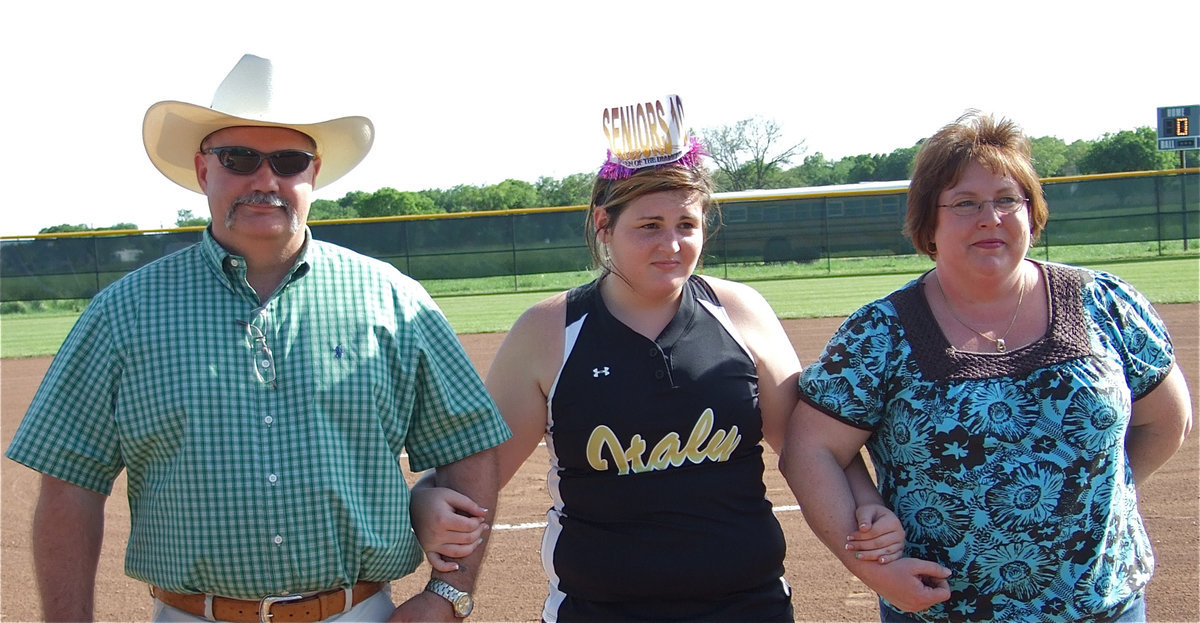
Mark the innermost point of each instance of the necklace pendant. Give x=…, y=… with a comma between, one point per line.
x=1000, y=346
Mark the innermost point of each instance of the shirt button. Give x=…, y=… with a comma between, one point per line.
x=652, y=352
x=658, y=374
x=266, y=363
x=272, y=478
x=278, y=540
x=234, y=263
x=269, y=420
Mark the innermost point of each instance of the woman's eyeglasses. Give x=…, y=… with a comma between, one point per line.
x=244, y=160
x=970, y=207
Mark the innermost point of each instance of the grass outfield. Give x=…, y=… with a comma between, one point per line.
x=1162, y=281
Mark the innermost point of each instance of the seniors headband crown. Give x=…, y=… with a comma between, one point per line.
x=648, y=134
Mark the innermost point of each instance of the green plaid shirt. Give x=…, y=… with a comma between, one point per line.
x=243, y=487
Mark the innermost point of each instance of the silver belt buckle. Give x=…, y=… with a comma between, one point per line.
x=264, y=606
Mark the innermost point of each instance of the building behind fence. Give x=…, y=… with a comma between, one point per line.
x=799, y=224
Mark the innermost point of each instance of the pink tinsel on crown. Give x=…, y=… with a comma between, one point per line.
x=612, y=169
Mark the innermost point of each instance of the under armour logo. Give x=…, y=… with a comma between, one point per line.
x=596, y=372
x=338, y=352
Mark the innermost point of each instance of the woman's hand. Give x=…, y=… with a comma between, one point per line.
x=880, y=536
x=448, y=525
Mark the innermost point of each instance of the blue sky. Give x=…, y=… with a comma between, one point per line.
x=475, y=92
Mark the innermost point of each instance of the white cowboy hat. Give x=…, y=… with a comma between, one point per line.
x=172, y=131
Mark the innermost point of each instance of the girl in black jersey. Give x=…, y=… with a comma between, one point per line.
x=653, y=388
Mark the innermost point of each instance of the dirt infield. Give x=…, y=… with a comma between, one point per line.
x=513, y=585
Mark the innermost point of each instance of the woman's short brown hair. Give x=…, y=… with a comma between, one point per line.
x=613, y=196
x=997, y=144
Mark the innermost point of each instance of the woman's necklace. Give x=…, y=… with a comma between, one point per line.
x=999, y=342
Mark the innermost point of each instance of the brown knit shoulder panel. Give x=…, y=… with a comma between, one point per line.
x=1066, y=339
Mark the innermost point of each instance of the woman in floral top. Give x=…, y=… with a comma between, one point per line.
x=1010, y=407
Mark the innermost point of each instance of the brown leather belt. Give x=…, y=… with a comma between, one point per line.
x=292, y=608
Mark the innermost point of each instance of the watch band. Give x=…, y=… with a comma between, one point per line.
x=461, y=600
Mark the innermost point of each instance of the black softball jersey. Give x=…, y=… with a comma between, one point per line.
x=656, y=472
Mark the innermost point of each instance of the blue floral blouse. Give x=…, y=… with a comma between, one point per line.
x=1008, y=468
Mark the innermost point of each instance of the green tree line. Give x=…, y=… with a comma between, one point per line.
x=1127, y=150
x=748, y=155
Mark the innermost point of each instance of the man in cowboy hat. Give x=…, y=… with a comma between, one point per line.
x=259, y=388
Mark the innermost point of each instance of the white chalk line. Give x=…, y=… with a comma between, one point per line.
x=541, y=524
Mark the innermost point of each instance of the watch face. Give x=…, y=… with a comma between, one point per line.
x=462, y=601
x=463, y=605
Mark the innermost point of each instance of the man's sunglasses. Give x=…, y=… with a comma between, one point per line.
x=244, y=161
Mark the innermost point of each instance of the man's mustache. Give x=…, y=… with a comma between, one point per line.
x=261, y=198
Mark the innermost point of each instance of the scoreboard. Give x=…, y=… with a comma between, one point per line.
x=1178, y=128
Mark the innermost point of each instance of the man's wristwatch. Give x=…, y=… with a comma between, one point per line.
x=461, y=600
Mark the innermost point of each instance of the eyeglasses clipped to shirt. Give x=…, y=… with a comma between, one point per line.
x=264, y=361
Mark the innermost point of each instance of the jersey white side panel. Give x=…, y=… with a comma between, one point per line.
x=553, y=525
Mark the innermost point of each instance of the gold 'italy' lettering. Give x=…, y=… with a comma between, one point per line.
x=667, y=452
